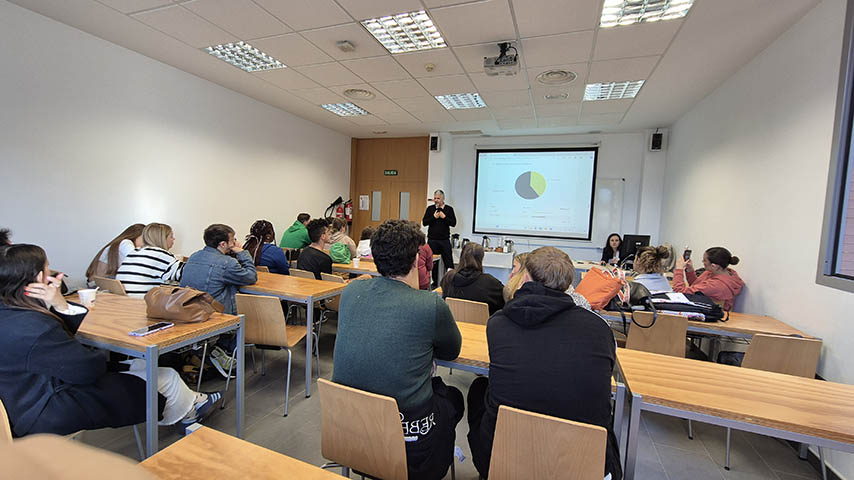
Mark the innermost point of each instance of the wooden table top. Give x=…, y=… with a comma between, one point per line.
x=474, y=350
x=369, y=268
x=294, y=287
x=744, y=323
x=208, y=454
x=113, y=316
x=786, y=402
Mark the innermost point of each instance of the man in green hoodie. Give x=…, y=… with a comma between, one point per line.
x=296, y=236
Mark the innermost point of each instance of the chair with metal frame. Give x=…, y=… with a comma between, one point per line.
x=110, y=285
x=468, y=311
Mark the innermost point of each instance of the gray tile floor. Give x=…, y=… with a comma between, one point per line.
x=664, y=450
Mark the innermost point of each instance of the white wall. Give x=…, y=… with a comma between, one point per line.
x=747, y=169
x=94, y=137
x=620, y=156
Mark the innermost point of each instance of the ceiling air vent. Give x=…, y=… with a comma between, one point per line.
x=556, y=77
x=359, y=94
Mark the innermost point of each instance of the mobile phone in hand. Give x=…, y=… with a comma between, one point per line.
x=686, y=255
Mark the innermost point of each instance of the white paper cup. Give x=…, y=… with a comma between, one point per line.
x=356, y=262
x=87, y=297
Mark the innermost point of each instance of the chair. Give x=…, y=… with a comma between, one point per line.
x=531, y=445
x=786, y=355
x=468, y=311
x=361, y=430
x=5, y=426
x=262, y=268
x=110, y=285
x=295, y=272
x=331, y=304
x=265, y=325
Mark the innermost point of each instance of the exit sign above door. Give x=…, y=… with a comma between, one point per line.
x=390, y=173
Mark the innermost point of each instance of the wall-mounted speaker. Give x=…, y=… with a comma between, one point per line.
x=434, y=143
x=656, y=142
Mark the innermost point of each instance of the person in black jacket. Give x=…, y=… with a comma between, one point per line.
x=439, y=218
x=469, y=282
x=548, y=356
x=50, y=382
x=613, y=251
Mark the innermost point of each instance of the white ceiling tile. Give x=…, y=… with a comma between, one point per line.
x=574, y=92
x=319, y=96
x=442, y=59
x=340, y=89
x=485, y=83
x=401, y=89
x=471, y=56
x=292, y=50
x=433, y=115
x=471, y=114
x=329, y=74
x=377, y=69
x=510, y=98
x=635, y=40
x=472, y=23
x=556, y=49
x=379, y=106
x=606, y=106
x=601, y=119
x=366, y=120
x=504, y=113
x=558, y=109
x=326, y=39
x=398, y=118
x=364, y=9
x=130, y=6
x=555, y=122
x=286, y=78
x=517, y=123
x=420, y=104
x=447, y=85
x=306, y=14
x=185, y=26
x=546, y=17
x=444, y=3
x=622, y=70
x=243, y=18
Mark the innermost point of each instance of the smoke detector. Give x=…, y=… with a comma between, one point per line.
x=556, y=96
x=359, y=94
x=345, y=46
x=556, y=77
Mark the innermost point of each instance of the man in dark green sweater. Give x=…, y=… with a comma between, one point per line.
x=389, y=331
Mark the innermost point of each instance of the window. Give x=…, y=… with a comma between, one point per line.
x=836, y=262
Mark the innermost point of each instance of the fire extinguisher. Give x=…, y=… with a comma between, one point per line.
x=339, y=211
x=348, y=211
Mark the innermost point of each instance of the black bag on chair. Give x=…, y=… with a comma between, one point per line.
x=700, y=303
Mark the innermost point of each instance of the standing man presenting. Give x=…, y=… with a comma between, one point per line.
x=439, y=218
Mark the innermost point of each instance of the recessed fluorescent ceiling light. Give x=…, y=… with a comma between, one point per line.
x=405, y=32
x=344, y=109
x=612, y=90
x=245, y=57
x=627, y=12
x=459, y=101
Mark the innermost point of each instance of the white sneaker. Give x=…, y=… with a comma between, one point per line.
x=222, y=362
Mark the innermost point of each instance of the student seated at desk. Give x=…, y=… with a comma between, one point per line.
x=517, y=278
x=718, y=282
x=468, y=281
x=389, y=331
x=50, y=382
x=364, y=247
x=548, y=356
x=296, y=236
x=260, y=243
x=153, y=264
x=425, y=264
x=313, y=258
x=650, y=267
x=338, y=234
x=108, y=259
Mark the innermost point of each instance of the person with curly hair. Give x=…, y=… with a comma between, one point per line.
x=389, y=332
x=260, y=243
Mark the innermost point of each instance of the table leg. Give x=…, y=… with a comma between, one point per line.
x=632, y=443
x=619, y=409
x=241, y=368
x=151, y=407
x=309, y=322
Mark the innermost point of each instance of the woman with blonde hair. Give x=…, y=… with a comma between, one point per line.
x=518, y=278
x=650, y=267
x=108, y=258
x=153, y=264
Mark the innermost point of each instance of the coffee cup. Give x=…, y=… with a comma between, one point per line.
x=87, y=297
x=356, y=262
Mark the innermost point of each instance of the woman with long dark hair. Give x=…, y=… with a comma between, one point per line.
x=50, y=382
x=261, y=244
x=613, y=250
x=469, y=282
x=718, y=282
x=108, y=259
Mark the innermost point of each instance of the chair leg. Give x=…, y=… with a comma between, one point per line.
x=254, y=365
x=228, y=377
x=728, y=437
x=139, y=449
x=823, y=465
x=453, y=470
x=263, y=371
x=202, y=367
x=345, y=471
x=690, y=430
x=288, y=383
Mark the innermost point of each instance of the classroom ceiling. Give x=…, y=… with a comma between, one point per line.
x=681, y=60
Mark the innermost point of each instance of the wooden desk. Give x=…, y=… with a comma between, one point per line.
x=208, y=454
x=782, y=406
x=741, y=325
x=369, y=268
x=107, y=326
x=300, y=290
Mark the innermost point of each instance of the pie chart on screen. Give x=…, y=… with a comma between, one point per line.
x=530, y=185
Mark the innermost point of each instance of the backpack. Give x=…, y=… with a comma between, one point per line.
x=340, y=253
x=700, y=308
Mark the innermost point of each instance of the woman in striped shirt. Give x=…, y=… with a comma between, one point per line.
x=152, y=265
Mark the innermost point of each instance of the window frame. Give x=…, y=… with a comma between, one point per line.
x=841, y=166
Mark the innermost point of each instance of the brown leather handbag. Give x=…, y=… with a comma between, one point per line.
x=180, y=305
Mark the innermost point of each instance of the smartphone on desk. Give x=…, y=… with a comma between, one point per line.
x=141, y=332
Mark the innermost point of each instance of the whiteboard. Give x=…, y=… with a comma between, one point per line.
x=607, y=208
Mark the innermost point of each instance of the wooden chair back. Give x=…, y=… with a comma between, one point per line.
x=5, y=426
x=361, y=430
x=332, y=303
x=468, y=311
x=665, y=337
x=265, y=321
x=780, y=354
x=110, y=285
x=262, y=268
x=301, y=273
x=531, y=445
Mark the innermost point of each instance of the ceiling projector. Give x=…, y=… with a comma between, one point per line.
x=503, y=64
